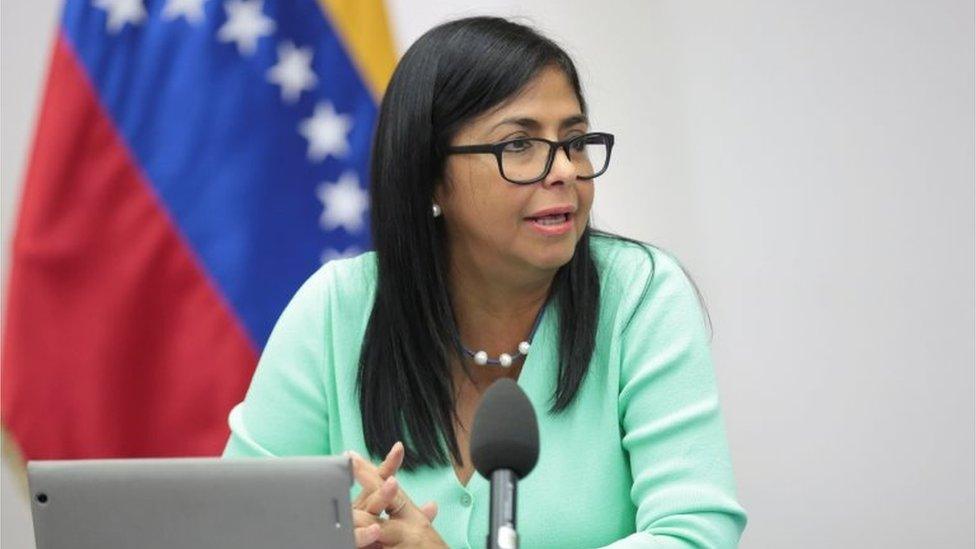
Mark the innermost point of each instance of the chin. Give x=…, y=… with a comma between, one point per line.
x=555, y=257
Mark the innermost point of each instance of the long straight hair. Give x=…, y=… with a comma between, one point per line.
x=450, y=75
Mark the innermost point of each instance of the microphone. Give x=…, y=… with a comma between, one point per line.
x=504, y=448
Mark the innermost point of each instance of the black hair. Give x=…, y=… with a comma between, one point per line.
x=450, y=75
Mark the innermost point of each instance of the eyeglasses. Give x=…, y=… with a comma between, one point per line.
x=528, y=160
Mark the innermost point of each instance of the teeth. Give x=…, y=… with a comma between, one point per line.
x=557, y=219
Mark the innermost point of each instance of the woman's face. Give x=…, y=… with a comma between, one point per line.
x=490, y=219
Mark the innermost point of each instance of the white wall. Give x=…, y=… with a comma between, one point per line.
x=812, y=165
x=26, y=34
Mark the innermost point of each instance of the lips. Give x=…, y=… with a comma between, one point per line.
x=553, y=211
x=552, y=221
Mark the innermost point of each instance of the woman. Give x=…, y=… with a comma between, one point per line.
x=485, y=266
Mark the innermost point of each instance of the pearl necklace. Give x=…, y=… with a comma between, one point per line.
x=505, y=360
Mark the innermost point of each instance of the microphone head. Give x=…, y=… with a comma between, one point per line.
x=505, y=433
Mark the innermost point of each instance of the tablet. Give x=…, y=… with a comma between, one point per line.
x=210, y=503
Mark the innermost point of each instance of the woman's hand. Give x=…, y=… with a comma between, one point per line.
x=407, y=525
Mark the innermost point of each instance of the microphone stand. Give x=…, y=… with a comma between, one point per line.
x=501, y=522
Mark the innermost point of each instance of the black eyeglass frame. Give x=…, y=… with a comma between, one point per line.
x=498, y=148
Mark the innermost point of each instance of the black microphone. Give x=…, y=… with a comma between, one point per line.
x=504, y=448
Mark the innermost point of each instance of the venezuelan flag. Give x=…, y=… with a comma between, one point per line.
x=194, y=161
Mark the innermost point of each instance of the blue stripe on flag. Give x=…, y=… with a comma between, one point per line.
x=222, y=147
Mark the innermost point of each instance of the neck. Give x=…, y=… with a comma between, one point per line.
x=495, y=306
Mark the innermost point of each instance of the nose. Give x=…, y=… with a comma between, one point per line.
x=562, y=170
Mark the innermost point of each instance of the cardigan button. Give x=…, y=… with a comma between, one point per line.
x=466, y=499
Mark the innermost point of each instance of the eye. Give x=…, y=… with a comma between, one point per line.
x=518, y=145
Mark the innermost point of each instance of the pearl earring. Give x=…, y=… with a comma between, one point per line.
x=436, y=210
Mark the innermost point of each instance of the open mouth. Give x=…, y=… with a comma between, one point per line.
x=552, y=225
x=550, y=220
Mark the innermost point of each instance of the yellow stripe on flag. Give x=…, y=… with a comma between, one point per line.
x=364, y=28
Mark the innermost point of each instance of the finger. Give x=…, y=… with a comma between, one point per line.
x=367, y=535
x=360, y=501
x=391, y=464
x=366, y=478
x=392, y=533
x=362, y=519
x=364, y=471
x=366, y=475
x=429, y=510
x=383, y=497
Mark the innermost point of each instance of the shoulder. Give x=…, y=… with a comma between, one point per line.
x=350, y=273
x=341, y=286
x=635, y=275
x=345, y=277
x=624, y=262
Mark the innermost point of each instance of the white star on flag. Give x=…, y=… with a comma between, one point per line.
x=326, y=132
x=245, y=25
x=191, y=10
x=121, y=12
x=293, y=71
x=344, y=203
x=330, y=254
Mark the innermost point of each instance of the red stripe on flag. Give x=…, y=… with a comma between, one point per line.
x=116, y=344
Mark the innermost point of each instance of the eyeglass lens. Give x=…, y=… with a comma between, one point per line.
x=526, y=159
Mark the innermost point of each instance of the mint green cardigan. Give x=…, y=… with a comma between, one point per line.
x=640, y=459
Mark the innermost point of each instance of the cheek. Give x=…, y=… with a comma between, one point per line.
x=484, y=205
x=498, y=206
x=585, y=194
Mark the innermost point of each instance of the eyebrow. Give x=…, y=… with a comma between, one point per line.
x=533, y=124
